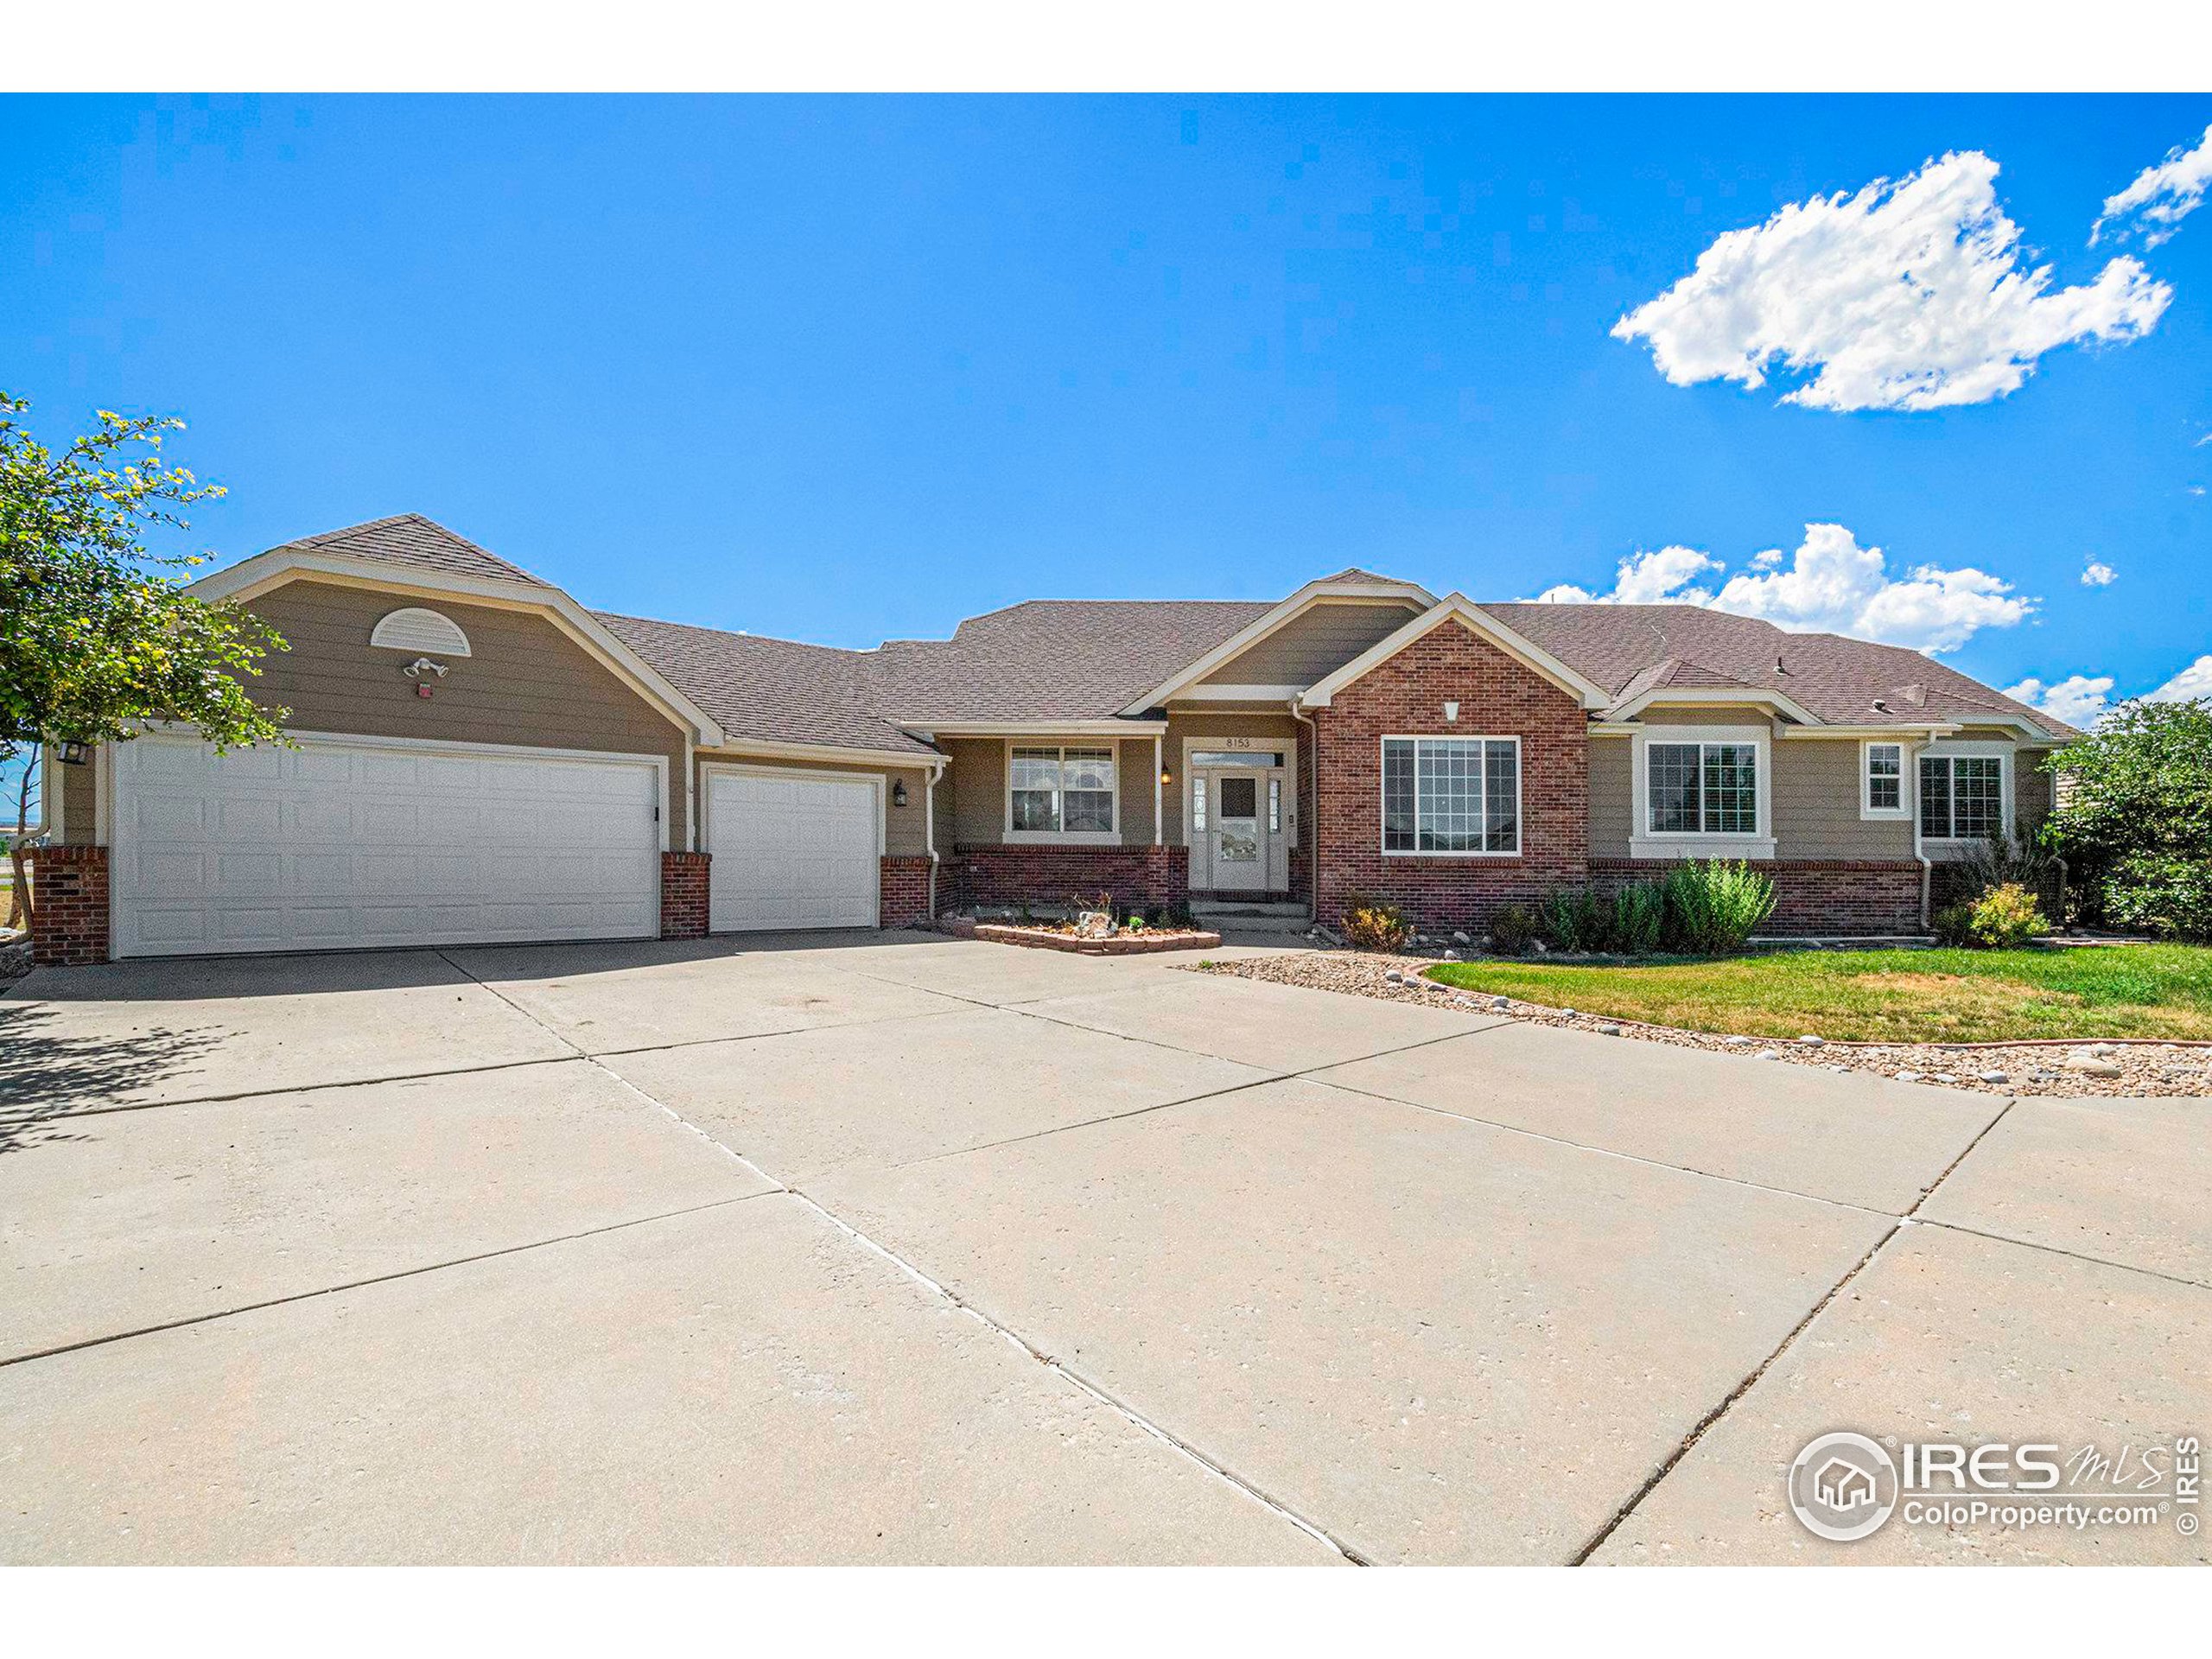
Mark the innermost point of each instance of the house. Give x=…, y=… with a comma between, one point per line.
x=1844, y=1486
x=480, y=758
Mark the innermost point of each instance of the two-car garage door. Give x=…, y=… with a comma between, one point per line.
x=336, y=845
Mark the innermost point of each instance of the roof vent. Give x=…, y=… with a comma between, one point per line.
x=1882, y=705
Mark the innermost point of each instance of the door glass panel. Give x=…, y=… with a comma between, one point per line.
x=1240, y=797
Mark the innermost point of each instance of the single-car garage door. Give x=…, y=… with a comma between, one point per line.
x=341, y=844
x=791, y=850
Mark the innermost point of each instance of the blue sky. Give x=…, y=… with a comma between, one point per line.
x=845, y=369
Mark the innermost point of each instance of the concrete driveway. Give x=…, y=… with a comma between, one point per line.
x=890, y=1248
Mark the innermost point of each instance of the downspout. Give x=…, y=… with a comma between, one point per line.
x=1313, y=859
x=1919, y=850
x=1158, y=792
x=929, y=826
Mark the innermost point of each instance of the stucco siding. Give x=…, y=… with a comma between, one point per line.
x=1313, y=645
x=524, y=681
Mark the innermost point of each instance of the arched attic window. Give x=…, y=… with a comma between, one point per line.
x=420, y=630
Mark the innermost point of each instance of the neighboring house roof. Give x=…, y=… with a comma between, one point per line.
x=411, y=539
x=774, y=691
x=1637, y=649
x=1055, y=659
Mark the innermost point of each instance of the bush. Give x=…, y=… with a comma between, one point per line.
x=1375, y=927
x=1573, y=919
x=1512, y=930
x=1639, y=918
x=1712, y=907
x=2134, y=818
x=2006, y=917
x=1953, y=925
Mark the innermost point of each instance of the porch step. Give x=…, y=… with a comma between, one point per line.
x=1210, y=909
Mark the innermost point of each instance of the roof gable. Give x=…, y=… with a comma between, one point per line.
x=1457, y=608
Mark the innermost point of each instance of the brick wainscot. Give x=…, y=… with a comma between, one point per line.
x=1405, y=697
x=1140, y=876
x=1816, y=898
x=683, y=894
x=69, y=921
x=903, y=895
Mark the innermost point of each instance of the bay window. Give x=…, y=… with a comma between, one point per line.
x=1451, y=795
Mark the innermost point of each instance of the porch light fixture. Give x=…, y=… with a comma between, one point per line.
x=1166, y=775
x=74, y=753
x=897, y=791
x=1451, y=714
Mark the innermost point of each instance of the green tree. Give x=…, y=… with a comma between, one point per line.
x=2135, y=817
x=97, y=636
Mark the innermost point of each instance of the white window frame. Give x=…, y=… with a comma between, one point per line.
x=1947, y=750
x=1015, y=837
x=1646, y=842
x=1382, y=786
x=1908, y=805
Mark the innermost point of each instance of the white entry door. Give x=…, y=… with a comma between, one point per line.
x=1230, y=814
x=339, y=844
x=792, y=849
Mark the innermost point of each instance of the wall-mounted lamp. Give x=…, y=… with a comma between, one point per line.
x=897, y=791
x=1166, y=775
x=1451, y=713
x=74, y=753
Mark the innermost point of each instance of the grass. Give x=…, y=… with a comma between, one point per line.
x=2162, y=991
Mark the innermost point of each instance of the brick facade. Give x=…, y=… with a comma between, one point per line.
x=1139, y=876
x=69, y=922
x=1813, y=896
x=683, y=894
x=905, y=892
x=1405, y=696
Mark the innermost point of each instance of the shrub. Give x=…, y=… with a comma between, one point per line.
x=1953, y=925
x=1573, y=919
x=1712, y=907
x=2006, y=917
x=1639, y=918
x=1373, y=925
x=2135, y=817
x=1512, y=930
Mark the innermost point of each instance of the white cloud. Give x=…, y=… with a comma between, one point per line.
x=2078, y=700
x=2162, y=196
x=2195, y=681
x=1908, y=295
x=1828, y=584
x=2097, y=574
x=1660, y=577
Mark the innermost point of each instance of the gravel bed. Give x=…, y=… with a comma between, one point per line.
x=2087, y=1069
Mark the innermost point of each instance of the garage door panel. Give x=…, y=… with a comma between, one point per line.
x=334, y=846
x=791, y=852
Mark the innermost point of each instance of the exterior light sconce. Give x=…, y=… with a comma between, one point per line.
x=1451, y=714
x=897, y=791
x=1166, y=775
x=74, y=753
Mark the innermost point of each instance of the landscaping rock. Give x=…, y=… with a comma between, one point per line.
x=1609, y=1030
x=1908, y=1077
x=1501, y=1003
x=1811, y=1041
x=1738, y=1042
x=1993, y=1077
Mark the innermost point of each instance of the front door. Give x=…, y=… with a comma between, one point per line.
x=1237, y=833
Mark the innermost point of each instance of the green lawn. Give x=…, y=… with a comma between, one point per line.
x=1905, y=997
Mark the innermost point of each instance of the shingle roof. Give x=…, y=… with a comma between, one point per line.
x=1056, y=659
x=775, y=690
x=1629, y=648
x=409, y=538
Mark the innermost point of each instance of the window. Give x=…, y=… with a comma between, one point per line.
x=1198, y=804
x=1451, y=795
x=1961, y=797
x=1703, y=788
x=1885, y=778
x=1060, y=791
x=1274, y=805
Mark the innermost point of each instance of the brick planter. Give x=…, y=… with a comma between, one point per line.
x=69, y=924
x=904, y=896
x=683, y=894
x=1121, y=944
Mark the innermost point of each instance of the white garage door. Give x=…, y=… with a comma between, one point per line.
x=791, y=850
x=342, y=845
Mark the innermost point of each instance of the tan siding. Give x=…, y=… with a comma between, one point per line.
x=524, y=681
x=1612, y=804
x=904, y=834
x=1187, y=721
x=1816, y=790
x=977, y=781
x=2031, y=791
x=1312, y=644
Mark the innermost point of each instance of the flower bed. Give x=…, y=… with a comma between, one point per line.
x=1049, y=936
